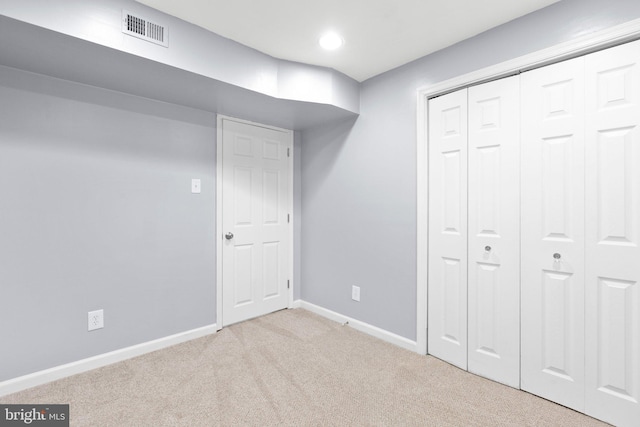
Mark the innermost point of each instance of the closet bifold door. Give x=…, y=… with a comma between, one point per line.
x=494, y=231
x=613, y=235
x=552, y=236
x=447, y=294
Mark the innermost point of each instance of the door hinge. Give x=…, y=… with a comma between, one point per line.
x=288, y=284
x=288, y=217
x=288, y=152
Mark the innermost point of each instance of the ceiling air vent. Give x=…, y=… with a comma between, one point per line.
x=144, y=29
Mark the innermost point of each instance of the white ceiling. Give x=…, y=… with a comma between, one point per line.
x=379, y=34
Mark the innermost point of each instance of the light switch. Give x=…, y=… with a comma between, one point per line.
x=195, y=186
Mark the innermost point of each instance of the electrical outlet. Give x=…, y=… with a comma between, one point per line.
x=355, y=293
x=96, y=320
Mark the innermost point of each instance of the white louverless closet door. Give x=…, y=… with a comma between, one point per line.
x=494, y=230
x=447, y=315
x=613, y=235
x=552, y=210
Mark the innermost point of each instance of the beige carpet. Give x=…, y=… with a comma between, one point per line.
x=292, y=368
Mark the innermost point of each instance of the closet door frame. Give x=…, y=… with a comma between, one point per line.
x=619, y=34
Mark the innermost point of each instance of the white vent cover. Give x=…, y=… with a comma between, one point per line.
x=144, y=29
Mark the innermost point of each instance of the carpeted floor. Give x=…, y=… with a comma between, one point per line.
x=292, y=368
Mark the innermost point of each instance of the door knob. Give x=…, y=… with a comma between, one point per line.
x=557, y=256
x=487, y=248
x=228, y=236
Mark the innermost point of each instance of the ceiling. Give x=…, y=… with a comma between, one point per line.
x=379, y=35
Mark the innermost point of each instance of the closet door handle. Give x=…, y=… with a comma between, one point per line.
x=557, y=256
x=487, y=249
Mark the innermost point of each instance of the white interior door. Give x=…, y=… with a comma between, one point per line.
x=552, y=245
x=255, y=233
x=447, y=314
x=494, y=230
x=613, y=235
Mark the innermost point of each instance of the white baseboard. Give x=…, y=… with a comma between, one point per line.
x=42, y=377
x=359, y=325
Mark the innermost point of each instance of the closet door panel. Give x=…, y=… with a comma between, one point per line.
x=613, y=234
x=552, y=239
x=447, y=294
x=494, y=241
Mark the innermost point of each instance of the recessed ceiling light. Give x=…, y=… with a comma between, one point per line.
x=331, y=41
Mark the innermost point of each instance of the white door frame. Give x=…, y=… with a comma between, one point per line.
x=219, y=236
x=599, y=40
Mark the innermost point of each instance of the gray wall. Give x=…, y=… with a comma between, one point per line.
x=95, y=203
x=96, y=211
x=359, y=178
